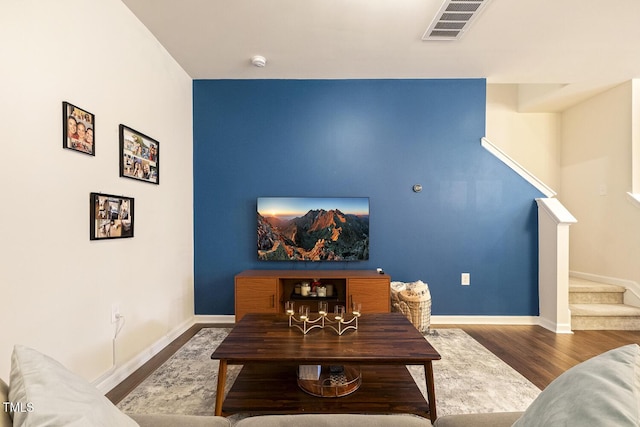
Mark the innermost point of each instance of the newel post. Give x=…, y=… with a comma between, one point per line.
x=553, y=264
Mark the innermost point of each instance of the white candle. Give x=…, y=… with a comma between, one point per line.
x=355, y=309
x=304, y=312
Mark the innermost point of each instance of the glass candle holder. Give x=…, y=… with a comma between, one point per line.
x=356, y=309
x=339, y=312
x=289, y=307
x=304, y=312
x=323, y=306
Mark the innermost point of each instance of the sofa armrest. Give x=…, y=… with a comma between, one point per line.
x=495, y=419
x=148, y=420
x=5, y=418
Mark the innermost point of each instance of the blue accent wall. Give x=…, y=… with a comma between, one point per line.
x=365, y=138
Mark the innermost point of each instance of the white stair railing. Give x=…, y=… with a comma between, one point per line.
x=517, y=167
x=553, y=248
x=553, y=264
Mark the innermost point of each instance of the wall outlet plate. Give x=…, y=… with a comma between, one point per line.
x=465, y=279
x=115, y=312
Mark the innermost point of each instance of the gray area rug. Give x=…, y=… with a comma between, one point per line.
x=468, y=379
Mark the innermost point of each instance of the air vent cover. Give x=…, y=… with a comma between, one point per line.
x=454, y=19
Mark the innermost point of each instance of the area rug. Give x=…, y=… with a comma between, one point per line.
x=468, y=379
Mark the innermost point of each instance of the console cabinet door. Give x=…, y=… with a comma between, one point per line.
x=373, y=294
x=256, y=295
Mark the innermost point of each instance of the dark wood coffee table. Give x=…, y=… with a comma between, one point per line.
x=270, y=352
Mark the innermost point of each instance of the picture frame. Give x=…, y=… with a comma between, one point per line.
x=111, y=216
x=139, y=156
x=78, y=129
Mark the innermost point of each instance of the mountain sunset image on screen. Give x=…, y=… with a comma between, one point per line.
x=313, y=228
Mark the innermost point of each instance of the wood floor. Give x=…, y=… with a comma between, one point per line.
x=541, y=355
x=537, y=353
x=120, y=391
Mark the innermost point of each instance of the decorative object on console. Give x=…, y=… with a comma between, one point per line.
x=111, y=217
x=329, y=289
x=78, y=129
x=305, y=289
x=313, y=229
x=139, y=156
x=322, y=320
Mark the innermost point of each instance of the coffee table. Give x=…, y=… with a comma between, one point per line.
x=270, y=351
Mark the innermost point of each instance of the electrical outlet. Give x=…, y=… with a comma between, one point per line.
x=465, y=279
x=115, y=312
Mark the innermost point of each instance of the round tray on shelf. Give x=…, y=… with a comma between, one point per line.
x=333, y=384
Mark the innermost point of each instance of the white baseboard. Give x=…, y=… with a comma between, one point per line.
x=501, y=320
x=558, y=328
x=484, y=320
x=435, y=320
x=440, y=320
x=117, y=374
x=631, y=296
x=199, y=318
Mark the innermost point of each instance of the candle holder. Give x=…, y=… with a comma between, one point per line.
x=305, y=323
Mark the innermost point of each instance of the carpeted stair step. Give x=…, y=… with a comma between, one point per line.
x=619, y=317
x=583, y=291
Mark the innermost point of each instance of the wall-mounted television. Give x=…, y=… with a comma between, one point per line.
x=313, y=228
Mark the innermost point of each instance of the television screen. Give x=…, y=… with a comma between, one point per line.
x=313, y=229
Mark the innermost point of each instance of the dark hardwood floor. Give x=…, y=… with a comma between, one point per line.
x=537, y=353
x=541, y=355
x=120, y=391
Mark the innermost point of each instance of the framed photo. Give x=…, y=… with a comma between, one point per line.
x=111, y=217
x=139, y=156
x=78, y=129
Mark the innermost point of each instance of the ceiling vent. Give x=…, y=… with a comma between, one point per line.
x=454, y=19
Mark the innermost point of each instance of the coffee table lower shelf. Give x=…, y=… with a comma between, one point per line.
x=272, y=389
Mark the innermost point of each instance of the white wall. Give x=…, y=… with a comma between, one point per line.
x=596, y=174
x=57, y=287
x=635, y=136
x=531, y=139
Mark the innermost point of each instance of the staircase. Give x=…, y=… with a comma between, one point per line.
x=599, y=306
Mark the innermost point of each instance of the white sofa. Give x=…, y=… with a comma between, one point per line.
x=603, y=391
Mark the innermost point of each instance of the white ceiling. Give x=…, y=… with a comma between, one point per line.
x=561, y=51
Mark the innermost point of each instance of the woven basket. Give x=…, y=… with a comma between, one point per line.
x=413, y=299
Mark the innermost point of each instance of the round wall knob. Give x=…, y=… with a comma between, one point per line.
x=259, y=61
